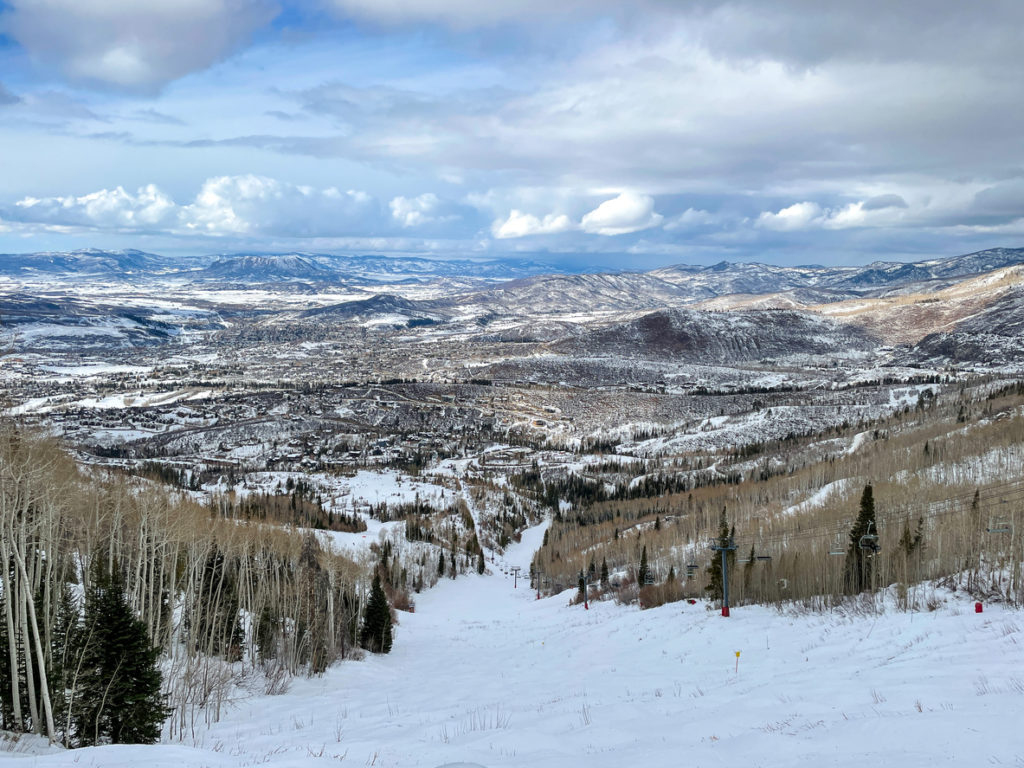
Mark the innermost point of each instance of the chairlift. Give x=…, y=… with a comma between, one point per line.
x=869, y=542
x=999, y=525
x=763, y=558
x=837, y=546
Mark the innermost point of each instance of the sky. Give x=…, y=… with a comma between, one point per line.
x=598, y=133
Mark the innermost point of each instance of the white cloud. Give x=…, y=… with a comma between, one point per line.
x=107, y=208
x=246, y=205
x=796, y=216
x=629, y=212
x=132, y=44
x=241, y=205
x=692, y=217
x=863, y=213
x=415, y=211
x=519, y=224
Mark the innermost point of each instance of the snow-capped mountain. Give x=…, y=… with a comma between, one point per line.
x=267, y=268
x=87, y=261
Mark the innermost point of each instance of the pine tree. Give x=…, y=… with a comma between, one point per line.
x=440, y=564
x=714, y=570
x=604, y=573
x=118, y=697
x=480, y=562
x=376, y=634
x=910, y=543
x=857, y=570
x=644, y=574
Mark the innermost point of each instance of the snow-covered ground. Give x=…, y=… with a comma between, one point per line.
x=486, y=674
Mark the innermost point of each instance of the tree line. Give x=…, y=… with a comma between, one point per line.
x=107, y=580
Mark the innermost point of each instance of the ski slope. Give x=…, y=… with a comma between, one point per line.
x=488, y=675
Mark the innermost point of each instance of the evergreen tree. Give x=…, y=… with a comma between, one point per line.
x=376, y=634
x=644, y=574
x=604, y=573
x=480, y=562
x=910, y=543
x=857, y=570
x=748, y=568
x=714, y=570
x=117, y=697
x=440, y=564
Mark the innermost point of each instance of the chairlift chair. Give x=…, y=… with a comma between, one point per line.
x=837, y=546
x=869, y=542
x=999, y=525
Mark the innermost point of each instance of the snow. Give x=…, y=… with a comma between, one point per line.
x=819, y=497
x=858, y=440
x=486, y=674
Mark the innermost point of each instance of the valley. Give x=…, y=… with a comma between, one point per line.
x=436, y=424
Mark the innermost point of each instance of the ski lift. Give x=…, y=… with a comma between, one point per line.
x=763, y=558
x=837, y=545
x=999, y=525
x=783, y=583
x=869, y=542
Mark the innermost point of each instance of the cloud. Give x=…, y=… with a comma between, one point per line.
x=6, y=97
x=137, y=46
x=691, y=218
x=879, y=211
x=250, y=204
x=796, y=216
x=155, y=116
x=629, y=212
x=146, y=209
x=415, y=211
x=462, y=14
x=1000, y=202
x=519, y=224
x=881, y=202
x=246, y=205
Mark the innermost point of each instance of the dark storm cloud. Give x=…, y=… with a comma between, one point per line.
x=881, y=202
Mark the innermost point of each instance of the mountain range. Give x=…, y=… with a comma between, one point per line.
x=962, y=309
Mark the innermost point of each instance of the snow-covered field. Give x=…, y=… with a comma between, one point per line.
x=486, y=674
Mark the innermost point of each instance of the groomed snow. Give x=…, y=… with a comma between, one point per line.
x=486, y=674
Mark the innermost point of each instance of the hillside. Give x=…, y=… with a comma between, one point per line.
x=487, y=675
x=722, y=338
x=908, y=318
